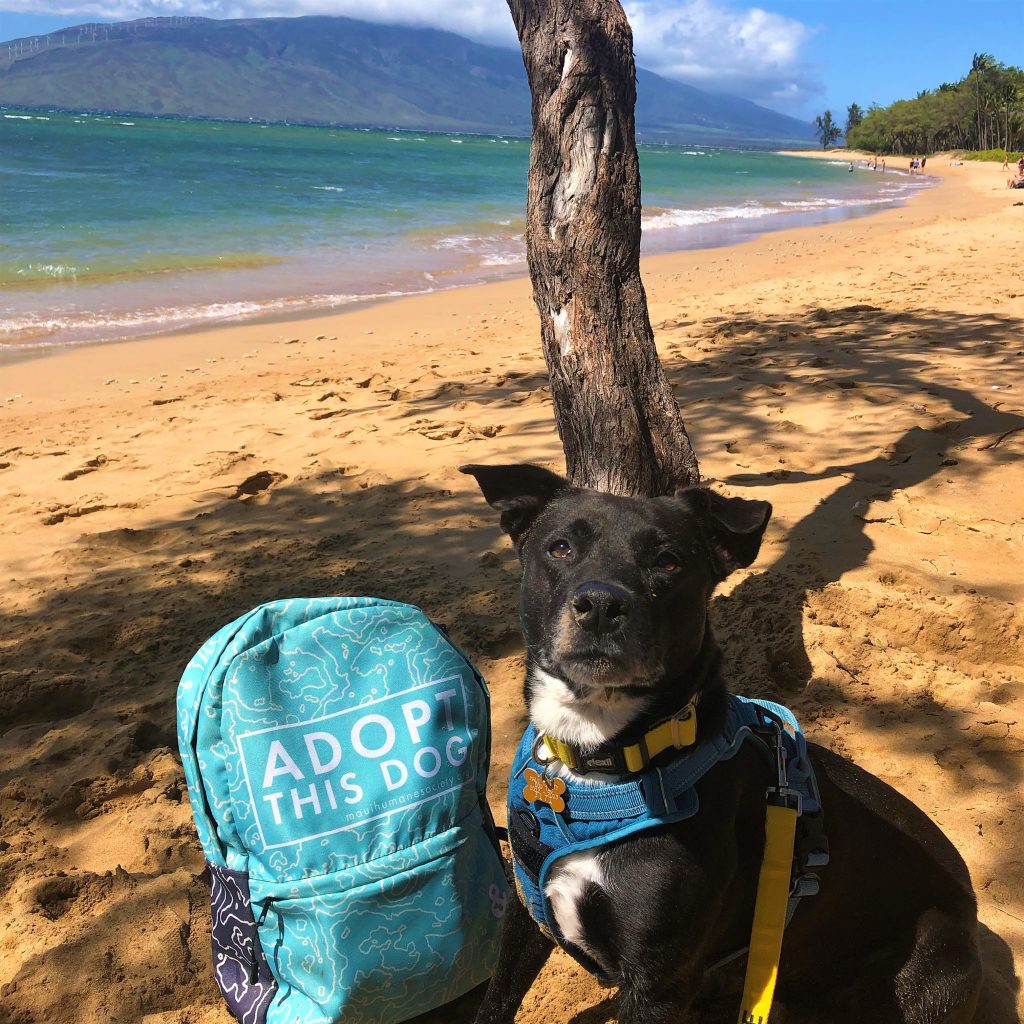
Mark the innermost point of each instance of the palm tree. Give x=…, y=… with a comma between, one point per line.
x=981, y=65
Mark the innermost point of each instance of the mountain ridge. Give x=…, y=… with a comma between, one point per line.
x=320, y=69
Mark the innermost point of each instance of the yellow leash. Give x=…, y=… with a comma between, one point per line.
x=769, y=914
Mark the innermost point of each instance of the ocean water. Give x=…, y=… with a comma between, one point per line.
x=115, y=227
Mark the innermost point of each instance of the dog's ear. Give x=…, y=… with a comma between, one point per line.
x=519, y=493
x=734, y=526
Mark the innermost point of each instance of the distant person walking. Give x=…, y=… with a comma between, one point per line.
x=924, y=160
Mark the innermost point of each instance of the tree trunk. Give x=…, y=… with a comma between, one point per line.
x=619, y=423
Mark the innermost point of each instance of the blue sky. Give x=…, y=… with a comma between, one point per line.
x=877, y=51
x=796, y=56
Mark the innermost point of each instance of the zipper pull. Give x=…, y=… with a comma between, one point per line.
x=254, y=967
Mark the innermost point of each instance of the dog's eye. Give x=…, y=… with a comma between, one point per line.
x=560, y=549
x=667, y=562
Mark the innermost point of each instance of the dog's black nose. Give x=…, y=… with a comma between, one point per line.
x=600, y=607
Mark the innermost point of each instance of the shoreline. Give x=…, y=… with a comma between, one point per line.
x=19, y=354
x=12, y=353
x=64, y=310
x=863, y=377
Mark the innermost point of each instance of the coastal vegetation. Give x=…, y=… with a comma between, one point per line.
x=827, y=130
x=854, y=116
x=984, y=111
x=994, y=155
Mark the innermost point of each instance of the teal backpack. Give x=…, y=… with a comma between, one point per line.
x=336, y=751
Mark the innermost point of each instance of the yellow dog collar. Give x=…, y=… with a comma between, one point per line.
x=676, y=732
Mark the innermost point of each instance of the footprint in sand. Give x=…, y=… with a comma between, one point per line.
x=919, y=520
x=58, y=513
x=108, y=544
x=439, y=431
x=258, y=483
x=788, y=427
x=897, y=453
x=754, y=392
x=755, y=453
x=223, y=462
x=55, y=897
x=410, y=390
x=449, y=387
x=534, y=397
x=486, y=430
x=768, y=457
x=368, y=428
x=90, y=467
x=526, y=379
x=58, y=698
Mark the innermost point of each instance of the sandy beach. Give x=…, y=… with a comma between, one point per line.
x=865, y=377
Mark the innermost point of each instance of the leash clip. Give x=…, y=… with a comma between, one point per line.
x=781, y=794
x=780, y=757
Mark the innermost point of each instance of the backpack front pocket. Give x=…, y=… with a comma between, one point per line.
x=389, y=940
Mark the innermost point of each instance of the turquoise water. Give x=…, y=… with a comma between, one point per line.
x=115, y=226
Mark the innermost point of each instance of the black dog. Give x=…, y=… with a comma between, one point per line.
x=613, y=609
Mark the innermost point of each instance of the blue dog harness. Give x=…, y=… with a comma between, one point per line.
x=595, y=813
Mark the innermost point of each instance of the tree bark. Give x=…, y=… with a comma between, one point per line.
x=619, y=423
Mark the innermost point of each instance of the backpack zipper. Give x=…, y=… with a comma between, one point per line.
x=254, y=967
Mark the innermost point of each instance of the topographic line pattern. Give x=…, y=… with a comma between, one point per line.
x=233, y=931
x=336, y=751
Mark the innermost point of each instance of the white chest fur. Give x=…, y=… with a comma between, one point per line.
x=570, y=876
x=556, y=711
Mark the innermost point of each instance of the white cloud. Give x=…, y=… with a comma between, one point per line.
x=485, y=20
x=712, y=44
x=748, y=52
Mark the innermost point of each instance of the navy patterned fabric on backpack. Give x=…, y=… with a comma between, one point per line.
x=336, y=752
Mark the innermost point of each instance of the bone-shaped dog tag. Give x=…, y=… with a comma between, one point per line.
x=540, y=790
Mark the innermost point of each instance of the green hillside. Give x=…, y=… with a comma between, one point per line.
x=333, y=70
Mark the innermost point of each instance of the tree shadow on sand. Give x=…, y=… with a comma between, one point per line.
x=90, y=667
x=877, y=366
x=831, y=540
